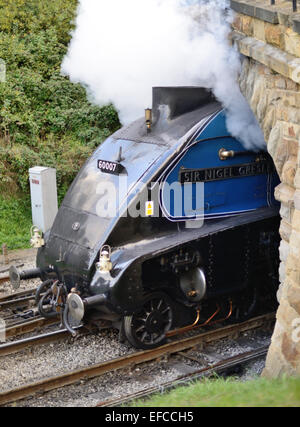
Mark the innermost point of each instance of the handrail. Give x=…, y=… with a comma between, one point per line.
x=295, y=6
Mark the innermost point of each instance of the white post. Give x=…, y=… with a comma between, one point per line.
x=43, y=197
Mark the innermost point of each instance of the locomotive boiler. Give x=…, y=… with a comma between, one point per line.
x=170, y=224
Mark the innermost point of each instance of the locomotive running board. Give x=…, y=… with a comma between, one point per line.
x=145, y=249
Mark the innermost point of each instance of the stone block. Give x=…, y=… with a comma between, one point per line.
x=284, y=353
x=279, y=61
x=274, y=138
x=296, y=220
x=295, y=248
x=282, y=113
x=291, y=130
x=285, y=194
x=280, y=156
x=296, y=25
x=292, y=42
x=286, y=211
x=237, y=23
x=297, y=199
x=297, y=179
x=268, y=124
x=284, y=248
x=284, y=97
x=289, y=172
x=285, y=18
x=247, y=25
x=259, y=29
x=274, y=35
x=286, y=314
x=294, y=70
x=266, y=14
x=293, y=296
x=291, y=85
x=258, y=101
x=280, y=82
x=275, y=363
x=293, y=148
x=285, y=232
x=242, y=7
x=287, y=150
x=291, y=351
x=292, y=266
x=293, y=115
x=282, y=277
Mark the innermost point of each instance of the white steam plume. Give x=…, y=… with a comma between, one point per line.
x=120, y=49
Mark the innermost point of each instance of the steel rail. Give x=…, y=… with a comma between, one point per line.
x=16, y=302
x=10, y=297
x=99, y=369
x=29, y=326
x=19, y=300
x=217, y=368
x=17, y=346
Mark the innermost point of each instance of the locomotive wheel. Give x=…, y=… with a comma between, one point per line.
x=147, y=327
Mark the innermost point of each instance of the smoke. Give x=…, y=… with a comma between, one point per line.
x=120, y=49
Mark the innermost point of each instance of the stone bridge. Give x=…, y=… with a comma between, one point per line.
x=269, y=38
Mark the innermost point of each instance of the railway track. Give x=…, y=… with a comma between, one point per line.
x=4, y=279
x=17, y=299
x=221, y=367
x=47, y=338
x=29, y=326
x=21, y=322
x=137, y=358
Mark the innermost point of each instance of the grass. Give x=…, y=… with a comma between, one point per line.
x=260, y=392
x=15, y=222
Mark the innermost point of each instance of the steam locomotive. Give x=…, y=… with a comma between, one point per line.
x=169, y=225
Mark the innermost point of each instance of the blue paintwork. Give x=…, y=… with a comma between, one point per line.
x=224, y=197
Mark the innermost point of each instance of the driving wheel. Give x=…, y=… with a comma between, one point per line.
x=147, y=327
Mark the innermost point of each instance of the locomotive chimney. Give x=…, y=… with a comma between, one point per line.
x=178, y=101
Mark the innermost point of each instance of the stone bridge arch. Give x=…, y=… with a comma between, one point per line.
x=269, y=38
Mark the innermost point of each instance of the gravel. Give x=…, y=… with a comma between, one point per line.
x=58, y=358
x=48, y=360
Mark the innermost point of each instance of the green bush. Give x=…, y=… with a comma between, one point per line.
x=15, y=222
x=44, y=118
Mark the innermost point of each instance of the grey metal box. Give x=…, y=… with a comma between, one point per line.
x=43, y=191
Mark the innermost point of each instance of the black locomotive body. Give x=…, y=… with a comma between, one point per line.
x=126, y=250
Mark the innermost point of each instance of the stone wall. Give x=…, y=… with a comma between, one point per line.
x=269, y=39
